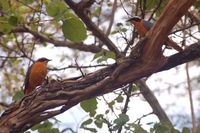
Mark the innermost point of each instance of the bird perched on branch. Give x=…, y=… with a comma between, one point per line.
x=35, y=75
x=142, y=26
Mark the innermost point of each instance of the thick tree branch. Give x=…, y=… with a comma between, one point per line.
x=36, y=107
x=163, y=26
x=190, y=53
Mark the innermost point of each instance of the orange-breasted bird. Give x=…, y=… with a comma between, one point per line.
x=142, y=26
x=35, y=75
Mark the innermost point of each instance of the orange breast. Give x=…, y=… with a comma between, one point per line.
x=37, y=75
x=140, y=28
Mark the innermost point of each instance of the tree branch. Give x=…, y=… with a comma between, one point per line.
x=79, y=46
x=80, y=11
x=152, y=100
x=190, y=53
x=3, y=104
x=37, y=106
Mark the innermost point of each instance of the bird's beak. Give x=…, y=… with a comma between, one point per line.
x=48, y=60
x=128, y=20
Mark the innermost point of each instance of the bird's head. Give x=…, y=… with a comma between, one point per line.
x=134, y=19
x=43, y=60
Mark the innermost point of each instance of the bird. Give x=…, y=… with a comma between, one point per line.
x=142, y=26
x=35, y=75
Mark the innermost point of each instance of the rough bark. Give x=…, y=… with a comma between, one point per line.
x=35, y=107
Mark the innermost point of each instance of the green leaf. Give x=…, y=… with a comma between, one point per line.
x=107, y=111
x=56, y=9
x=5, y=27
x=28, y=1
x=45, y=124
x=74, y=29
x=114, y=32
x=99, y=116
x=87, y=122
x=164, y=128
x=99, y=120
x=137, y=128
x=98, y=123
x=111, y=55
x=45, y=127
x=122, y=120
x=135, y=88
x=197, y=4
x=97, y=55
x=123, y=29
x=100, y=60
x=18, y=96
x=4, y=4
x=198, y=130
x=48, y=130
x=120, y=99
x=13, y=20
x=89, y=106
x=110, y=104
x=186, y=130
x=51, y=9
x=104, y=56
x=150, y=4
x=93, y=130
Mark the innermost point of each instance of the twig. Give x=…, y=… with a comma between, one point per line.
x=125, y=8
x=187, y=27
x=190, y=98
x=145, y=115
x=128, y=95
x=78, y=67
x=68, y=129
x=11, y=57
x=112, y=17
x=71, y=66
x=109, y=106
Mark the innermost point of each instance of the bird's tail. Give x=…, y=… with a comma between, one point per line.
x=27, y=91
x=173, y=45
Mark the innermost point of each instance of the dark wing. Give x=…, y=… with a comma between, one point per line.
x=26, y=81
x=148, y=25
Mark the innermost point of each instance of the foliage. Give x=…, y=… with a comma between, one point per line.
x=45, y=127
x=18, y=96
